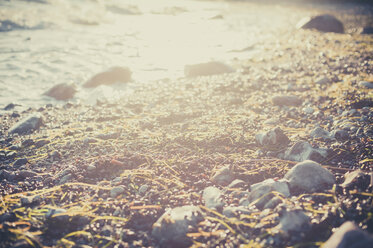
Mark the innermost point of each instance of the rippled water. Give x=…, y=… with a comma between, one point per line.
x=44, y=43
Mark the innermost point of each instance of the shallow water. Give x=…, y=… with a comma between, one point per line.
x=44, y=43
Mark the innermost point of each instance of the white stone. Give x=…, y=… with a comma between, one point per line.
x=212, y=197
x=171, y=228
x=309, y=177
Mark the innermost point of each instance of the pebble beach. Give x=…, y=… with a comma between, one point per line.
x=271, y=150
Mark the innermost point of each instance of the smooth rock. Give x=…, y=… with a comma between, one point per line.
x=22, y=174
x=41, y=143
x=308, y=110
x=112, y=76
x=27, y=124
x=10, y=106
x=366, y=84
x=294, y=221
x=309, y=177
x=223, y=176
x=171, y=228
x=323, y=23
x=273, y=138
x=265, y=187
x=213, y=198
x=302, y=151
x=284, y=100
x=319, y=132
x=118, y=190
x=348, y=235
x=63, y=91
x=205, y=69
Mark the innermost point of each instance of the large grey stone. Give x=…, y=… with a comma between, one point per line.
x=62, y=91
x=349, y=236
x=205, y=69
x=302, y=151
x=274, y=137
x=213, y=198
x=113, y=75
x=309, y=177
x=323, y=23
x=284, y=100
x=27, y=124
x=171, y=228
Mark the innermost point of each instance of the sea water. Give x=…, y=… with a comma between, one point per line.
x=47, y=42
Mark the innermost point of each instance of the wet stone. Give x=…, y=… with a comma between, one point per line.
x=323, y=23
x=205, y=69
x=112, y=76
x=366, y=84
x=309, y=177
x=63, y=91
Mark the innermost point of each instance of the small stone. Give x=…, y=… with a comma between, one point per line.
x=273, y=138
x=27, y=142
x=357, y=177
x=112, y=76
x=212, y=197
x=340, y=134
x=205, y=69
x=237, y=183
x=10, y=106
x=65, y=179
x=308, y=110
x=294, y=221
x=349, y=235
x=41, y=143
x=7, y=175
x=171, y=228
x=20, y=162
x=323, y=81
x=265, y=187
x=284, y=100
x=366, y=84
x=323, y=23
x=319, y=132
x=27, y=124
x=309, y=177
x=302, y=151
x=143, y=188
x=63, y=91
x=91, y=167
x=116, y=191
x=231, y=212
x=25, y=174
x=223, y=176
x=55, y=156
x=30, y=200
